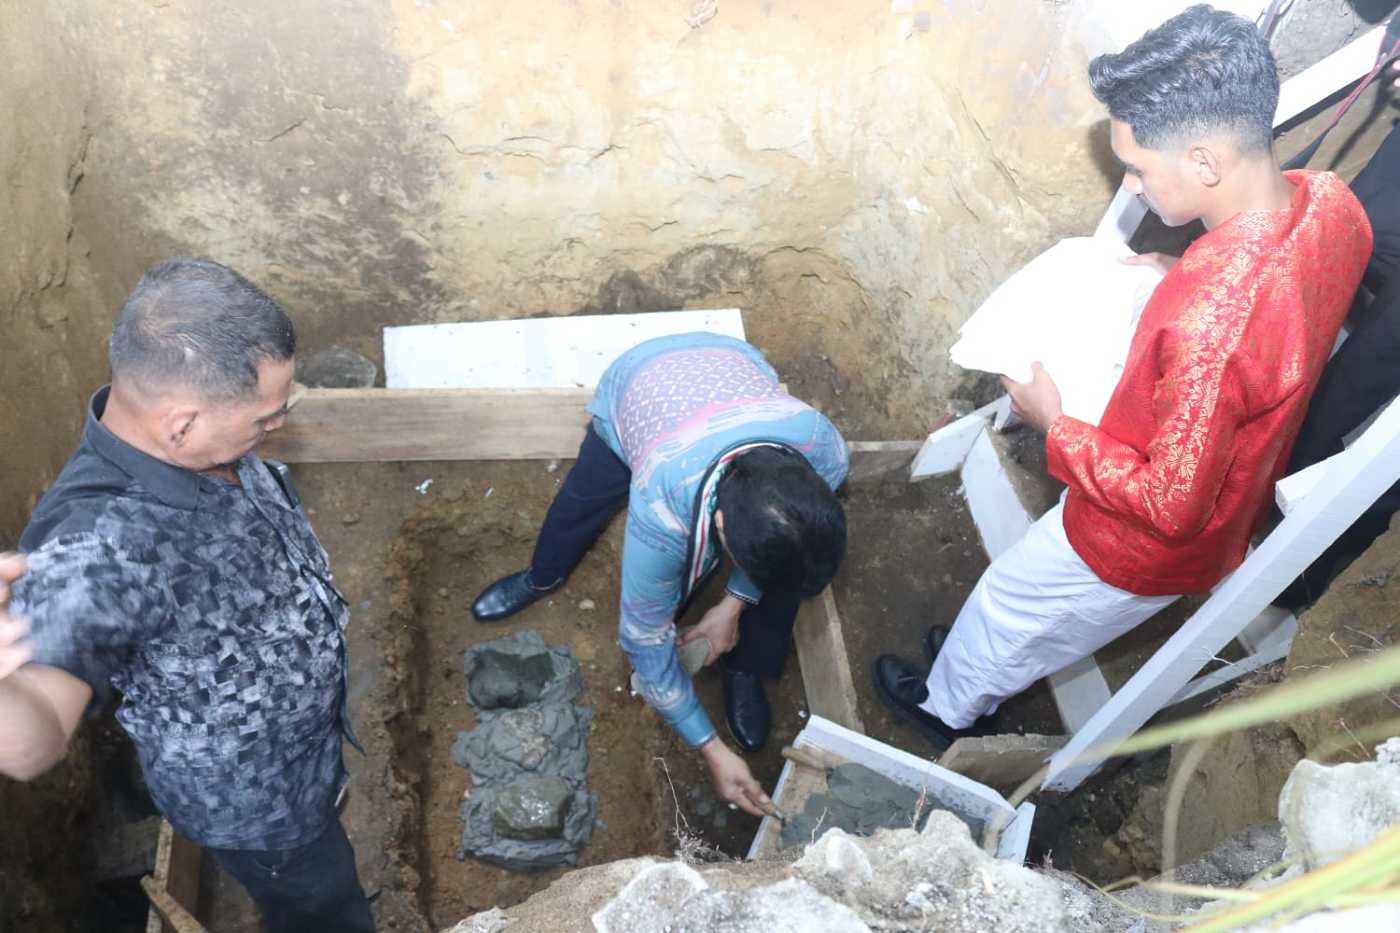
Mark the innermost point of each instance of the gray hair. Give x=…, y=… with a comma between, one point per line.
x=193, y=323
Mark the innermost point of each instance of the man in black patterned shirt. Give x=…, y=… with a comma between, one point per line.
x=171, y=565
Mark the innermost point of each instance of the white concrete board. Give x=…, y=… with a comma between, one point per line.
x=532, y=353
x=996, y=510
x=1294, y=488
x=1351, y=62
x=974, y=798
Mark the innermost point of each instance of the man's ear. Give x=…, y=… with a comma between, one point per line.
x=1205, y=165
x=176, y=423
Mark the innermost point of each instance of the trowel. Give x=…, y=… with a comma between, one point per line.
x=772, y=810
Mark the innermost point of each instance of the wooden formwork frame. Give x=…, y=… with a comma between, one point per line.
x=380, y=425
x=174, y=885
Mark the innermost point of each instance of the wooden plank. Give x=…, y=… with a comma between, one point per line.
x=563, y=351
x=826, y=669
x=355, y=425
x=176, y=874
x=177, y=919
x=375, y=425
x=1353, y=483
x=872, y=461
x=1002, y=762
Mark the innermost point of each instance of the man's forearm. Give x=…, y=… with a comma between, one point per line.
x=32, y=734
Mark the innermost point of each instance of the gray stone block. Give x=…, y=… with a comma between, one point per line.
x=534, y=808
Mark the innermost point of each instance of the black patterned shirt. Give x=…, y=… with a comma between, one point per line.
x=208, y=605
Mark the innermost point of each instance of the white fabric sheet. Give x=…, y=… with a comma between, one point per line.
x=1037, y=609
x=1073, y=308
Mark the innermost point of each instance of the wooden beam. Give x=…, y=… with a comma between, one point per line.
x=356, y=425
x=1002, y=762
x=177, y=919
x=177, y=877
x=826, y=669
x=1352, y=484
x=375, y=425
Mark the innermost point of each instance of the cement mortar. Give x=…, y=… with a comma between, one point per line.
x=529, y=807
x=538, y=740
x=860, y=801
x=518, y=670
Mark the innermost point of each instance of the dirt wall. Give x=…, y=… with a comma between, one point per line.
x=427, y=161
x=52, y=321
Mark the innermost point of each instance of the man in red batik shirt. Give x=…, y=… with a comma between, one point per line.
x=1165, y=493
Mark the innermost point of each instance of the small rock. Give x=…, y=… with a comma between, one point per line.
x=442, y=592
x=350, y=518
x=837, y=855
x=534, y=808
x=650, y=900
x=693, y=654
x=587, y=605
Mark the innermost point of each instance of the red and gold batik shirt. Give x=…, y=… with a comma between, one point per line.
x=1165, y=492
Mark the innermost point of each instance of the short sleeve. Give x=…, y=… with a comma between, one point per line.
x=89, y=604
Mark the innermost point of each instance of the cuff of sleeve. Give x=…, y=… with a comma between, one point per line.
x=1062, y=430
x=740, y=596
x=694, y=728
x=741, y=587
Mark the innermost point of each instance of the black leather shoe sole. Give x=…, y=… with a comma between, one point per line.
x=507, y=596
x=926, y=724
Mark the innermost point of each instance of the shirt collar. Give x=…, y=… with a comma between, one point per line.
x=172, y=485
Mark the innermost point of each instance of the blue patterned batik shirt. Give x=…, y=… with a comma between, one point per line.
x=672, y=408
x=208, y=606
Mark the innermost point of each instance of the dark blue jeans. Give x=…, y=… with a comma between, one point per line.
x=595, y=490
x=311, y=887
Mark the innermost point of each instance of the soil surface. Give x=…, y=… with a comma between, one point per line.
x=411, y=562
x=913, y=558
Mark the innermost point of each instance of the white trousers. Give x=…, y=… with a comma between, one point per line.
x=1037, y=609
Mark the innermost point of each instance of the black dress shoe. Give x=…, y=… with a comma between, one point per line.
x=901, y=686
x=746, y=708
x=933, y=643
x=934, y=639
x=507, y=596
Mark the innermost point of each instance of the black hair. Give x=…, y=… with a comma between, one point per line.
x=196, y=324
x=1202, y=71
x=783, y=525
